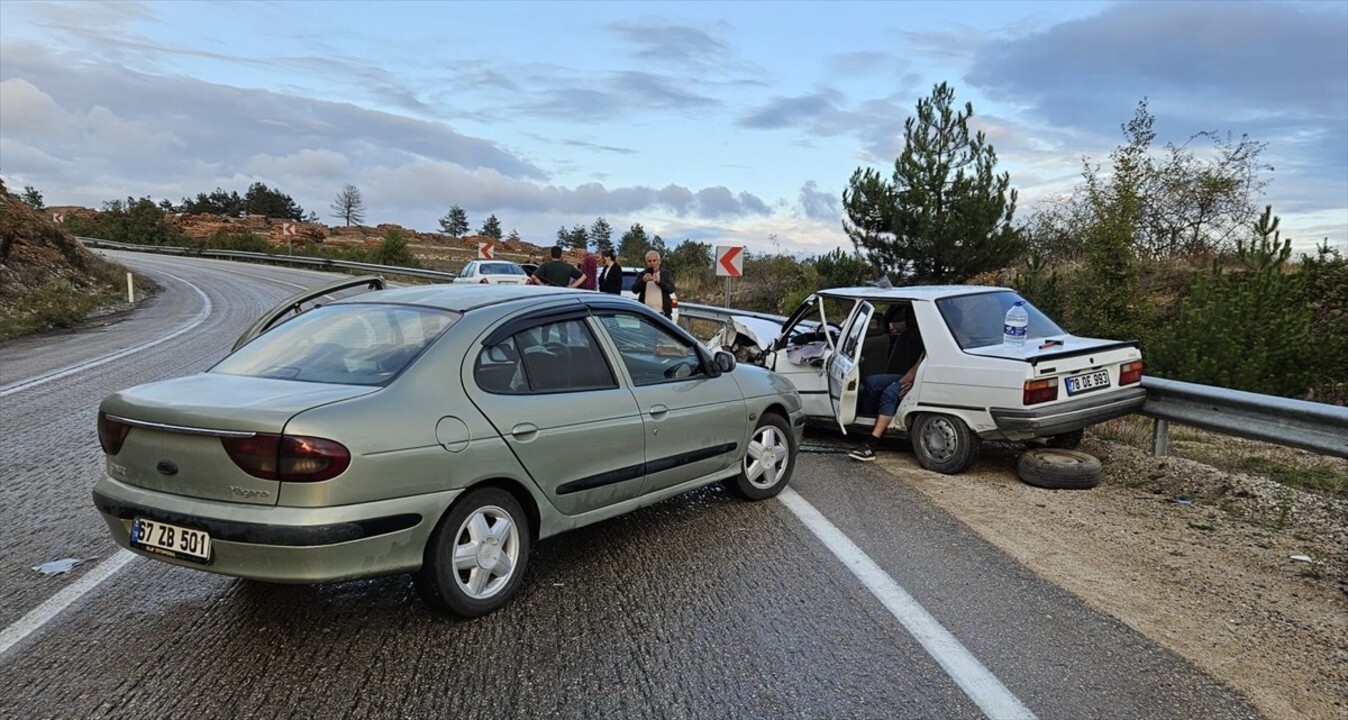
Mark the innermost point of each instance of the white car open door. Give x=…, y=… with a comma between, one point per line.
x=844, y=367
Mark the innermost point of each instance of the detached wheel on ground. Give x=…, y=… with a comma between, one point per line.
x=768, y=462
x=476, y=557
x=943, y=443
x=1059, y=469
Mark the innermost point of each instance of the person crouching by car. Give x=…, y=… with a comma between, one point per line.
x=656, y=286
x=557, y=272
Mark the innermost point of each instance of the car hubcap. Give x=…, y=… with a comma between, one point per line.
x=939, y=439
x=486, y=551
x=768, y=457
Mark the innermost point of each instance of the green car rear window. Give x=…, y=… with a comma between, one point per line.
x=356, y=344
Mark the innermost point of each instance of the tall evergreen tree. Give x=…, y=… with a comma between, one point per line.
x=491, y=227
x=579, y=238
x=944, y=215
x=455, y=222
x=514, y=236
x=601, y=234
x=633, y=245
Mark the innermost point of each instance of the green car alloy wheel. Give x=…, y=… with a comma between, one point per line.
x=477, y=555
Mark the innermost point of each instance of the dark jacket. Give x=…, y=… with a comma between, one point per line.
x=666, y=283
x=612, y=279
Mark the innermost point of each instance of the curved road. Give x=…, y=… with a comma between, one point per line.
x=850, y=596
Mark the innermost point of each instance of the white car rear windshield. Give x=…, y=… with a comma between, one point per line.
x=500, y=269
x=357, y=344
x=976, y=320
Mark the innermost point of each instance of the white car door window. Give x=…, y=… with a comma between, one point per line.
x=844, y=368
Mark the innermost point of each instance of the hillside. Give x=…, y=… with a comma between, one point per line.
x=48, y=280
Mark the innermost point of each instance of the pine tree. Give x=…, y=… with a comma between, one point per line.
x=634, y=244
x=602, y=235
x=455, y=222
x=1237, y=328
x=514, y=236
x=943, y=216
x=579, y=238
x=491, y=227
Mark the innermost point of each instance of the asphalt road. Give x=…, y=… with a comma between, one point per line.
x=849, y=597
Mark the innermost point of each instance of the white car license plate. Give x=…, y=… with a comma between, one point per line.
x=1088, y=381
x=171, y=540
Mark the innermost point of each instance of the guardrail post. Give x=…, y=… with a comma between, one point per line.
x=1160, y=438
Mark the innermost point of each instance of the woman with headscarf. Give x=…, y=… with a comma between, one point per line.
x=590, y=266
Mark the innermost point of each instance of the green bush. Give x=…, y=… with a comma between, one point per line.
x=1245, y=328
x=394, y=250
x=1325, y=293
x=241, y=240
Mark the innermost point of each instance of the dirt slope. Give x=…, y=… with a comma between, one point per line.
x=1205, y=563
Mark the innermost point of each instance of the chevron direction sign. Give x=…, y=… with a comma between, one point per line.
x=485, y=251
x=730, y=261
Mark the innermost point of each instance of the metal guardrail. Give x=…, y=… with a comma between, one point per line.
x=317, y=262
x=1307, y=425
x=1317, y=427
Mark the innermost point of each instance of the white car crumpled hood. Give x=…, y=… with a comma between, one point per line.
x=759, y=331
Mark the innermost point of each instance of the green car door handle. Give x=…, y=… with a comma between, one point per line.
x=524, y=431
x=658, y=411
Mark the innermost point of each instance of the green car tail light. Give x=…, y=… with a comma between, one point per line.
x=288, y=458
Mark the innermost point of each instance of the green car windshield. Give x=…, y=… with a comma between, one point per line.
x=348, y=344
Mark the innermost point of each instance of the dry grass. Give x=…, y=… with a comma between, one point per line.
x=1294, y=468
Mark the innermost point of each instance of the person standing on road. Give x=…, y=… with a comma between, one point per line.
x=656, y=286
x=557, y=272
x=611, y=275
x=590, y=267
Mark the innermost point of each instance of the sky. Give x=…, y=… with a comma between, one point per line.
x=735, y=123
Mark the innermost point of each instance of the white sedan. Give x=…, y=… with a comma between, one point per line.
x=491, y=272
x=969, y=387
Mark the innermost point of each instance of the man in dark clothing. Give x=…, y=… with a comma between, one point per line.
x=881, y=394
x=557, y=272
x=655, y=286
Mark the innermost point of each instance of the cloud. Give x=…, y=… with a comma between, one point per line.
x=819, y=205
x=223, y=125
x=673, y=44
x=807, y=110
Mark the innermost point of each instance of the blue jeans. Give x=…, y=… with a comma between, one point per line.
x=880, y=394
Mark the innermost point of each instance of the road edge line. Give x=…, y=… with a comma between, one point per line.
x=977, y=682
x=40, y=615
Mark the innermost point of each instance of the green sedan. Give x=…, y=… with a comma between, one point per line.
x=435, y=430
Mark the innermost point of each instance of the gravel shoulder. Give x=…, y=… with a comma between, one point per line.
x=1244, y=577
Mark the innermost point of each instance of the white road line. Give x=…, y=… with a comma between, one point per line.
x=38, y=616
x=981, y=686
x=206, y=307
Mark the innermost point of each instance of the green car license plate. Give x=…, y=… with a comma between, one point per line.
x=171, y=540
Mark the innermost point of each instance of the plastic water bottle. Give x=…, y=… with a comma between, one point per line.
x=1017, y=322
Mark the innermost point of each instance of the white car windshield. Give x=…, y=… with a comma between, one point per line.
x=356, y=344
x=976, y=320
